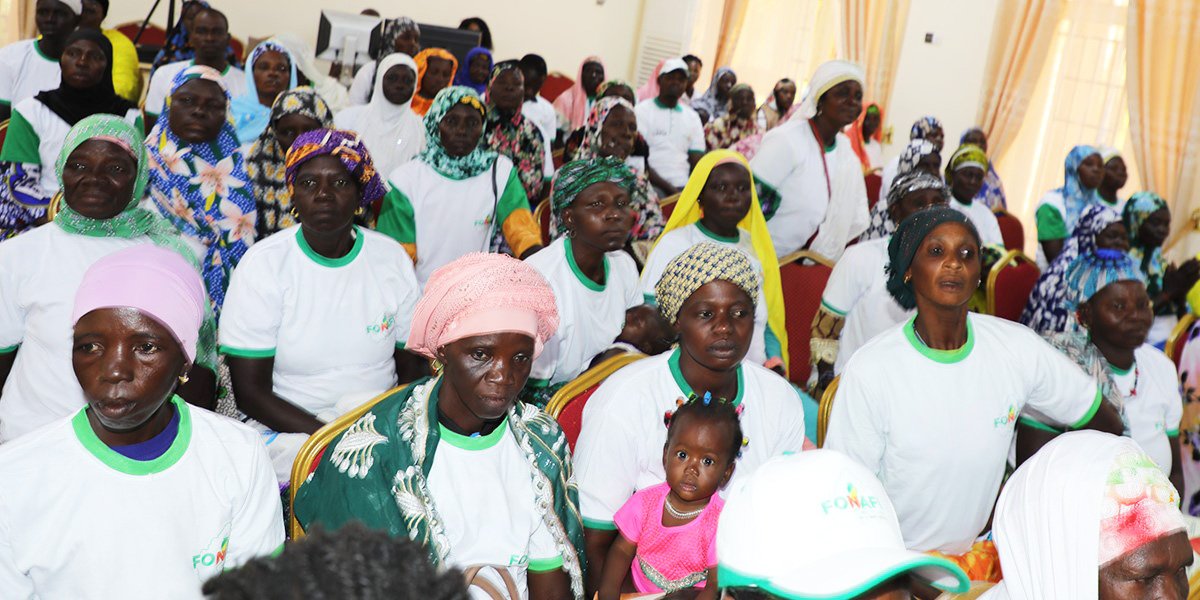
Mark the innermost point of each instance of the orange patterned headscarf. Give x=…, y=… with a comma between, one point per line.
x=422, y=100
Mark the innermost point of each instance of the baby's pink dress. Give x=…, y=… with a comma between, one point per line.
x=668, y=559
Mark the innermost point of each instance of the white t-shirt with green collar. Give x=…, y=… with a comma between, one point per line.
x=89, y=523
x=672, y=134
x=160, y=84
x=25, y=71
x=1153, y=405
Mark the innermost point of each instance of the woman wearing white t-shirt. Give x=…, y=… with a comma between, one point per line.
x=314, y=316
x=708, y=293
x=964, y=174
x=1109, y=299
x=593, y=279
x=136, y=495
x=930, y=405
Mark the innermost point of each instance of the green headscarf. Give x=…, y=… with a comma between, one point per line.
x=577, y=175
x=907, y=240
x=967, y=155
x=461, y=167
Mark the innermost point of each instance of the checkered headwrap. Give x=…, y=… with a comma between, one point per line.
x=699, y=265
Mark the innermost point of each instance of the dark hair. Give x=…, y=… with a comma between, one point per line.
x=692, y=58
x=534, y=63
x=209, y=9
x=485, y=34
x=713, y=410
x=352, y=563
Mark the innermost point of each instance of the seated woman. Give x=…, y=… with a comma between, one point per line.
x=856, y=305
x=135, y=495
x=40, y=271
x=269, y=73
x=392, y=131
x=594, y=281
x=401, y=35
x=720, y=205
x=715, y=100
x=639, y=158
x=1109, y=299
x=1090, y=516
x=900, y=408
x=509, y=133
x=455, y=462
x=1148, y=222
x=1099, y=227
x=1115, y=177
x=991, y=194
x=927, y=128
x=1059, y=210
x=475, y=70
x=198, y=178
x=574, y=104
x=964, y=174
x=314, y=319
x=39, y=124
x=735, y=126
x=771, y=113
x=295, y=112
x=918, y=155
x=708, y=293
x=435, y=70
x=810, y=177
x=457, y=197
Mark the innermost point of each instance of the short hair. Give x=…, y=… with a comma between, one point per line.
x=208, y=9
x=534, y=63
x=352, y=563
x=712, y=410
x=692, y=58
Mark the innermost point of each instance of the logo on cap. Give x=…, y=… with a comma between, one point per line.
x=851, y=501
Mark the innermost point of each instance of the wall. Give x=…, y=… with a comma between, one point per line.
x=564, y=32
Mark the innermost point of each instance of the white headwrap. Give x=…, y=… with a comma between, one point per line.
x=1055, y=521
x=76, y=6
x=393, y=132
x=828, y=75
x=333, y=93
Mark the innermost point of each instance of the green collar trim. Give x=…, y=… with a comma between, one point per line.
x=716, y=236
x=832, y=146
x=129, y=466
x=676, y=108
x=943, y=356
x=224, y=72
x=677, y=373
x=37, y=47
x=325, y=261
x=584, y=279
x=476, y=443
x=731, y=578
x=1118, y=371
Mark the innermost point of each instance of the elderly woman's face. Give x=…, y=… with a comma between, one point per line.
x=399, y=83
x=1155, y=570
x=600, y=217
x=842, y=103
x=98, y=179
x=326, y=195
x=915, y=201
x=197, y=111
x=945, y=270
x=619, y=133
x=128, y=365
x=460, y=130
x=715, y=325
x=272, y=73
x=1119, y=315
x=486, y=373
x=507, y=90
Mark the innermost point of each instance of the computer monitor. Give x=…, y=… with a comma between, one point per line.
x=347, y=32
x=457, y=41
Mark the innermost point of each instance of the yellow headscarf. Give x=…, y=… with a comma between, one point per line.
x=688, y=211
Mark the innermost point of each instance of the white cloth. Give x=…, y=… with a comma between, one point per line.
x=39, y=273
x=89, y=523
x=671, y=133
x=1155, y=412
x=333, y=93
x=621, y=445
x=676, y=242
x=51, y=131
x=502, y=527
x=541, y=112
x=828, y=75
x=160, y=84
x=364, y=82
x=890, y=171
x=936, y=426
x=393, y=133
x=792, y=162
x=874, y=151
x=590, y=315
x=857, y=290
x=25, y=71
x=984, y=220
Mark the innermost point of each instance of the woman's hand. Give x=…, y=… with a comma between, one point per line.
x=1178, y=281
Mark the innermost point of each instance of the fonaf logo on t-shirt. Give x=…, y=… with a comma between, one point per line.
x=382, y=326
x=851, y=501
x=208, y=561
x=1007, y=418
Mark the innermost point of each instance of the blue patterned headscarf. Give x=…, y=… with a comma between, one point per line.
x=923, y=127
x=1150, y=259
x=1089, y=273
x=1075, y=196
x=454, y=167
x=250, y=117
x=203, y=189
x=463, y=77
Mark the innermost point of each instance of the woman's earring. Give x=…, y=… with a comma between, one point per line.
x=908, y=278
x=183, y=379
x=360, y=211
x=295, y=213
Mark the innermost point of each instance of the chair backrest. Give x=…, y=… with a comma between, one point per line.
x=3, y=131
x=153, y=36
x=1178, y=338
x=566, y=406
x=314, y=448
x=542, y=215
x=824, y=410
x=1009, y=284
x=1011, y=230
x=874, y=181
x=803, y=276
x=556, y=84
x=668, y=206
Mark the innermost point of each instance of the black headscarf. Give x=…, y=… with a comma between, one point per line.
x=73, y=104
x=907, y=240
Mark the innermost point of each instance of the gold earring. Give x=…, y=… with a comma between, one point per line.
x=908, y=278
x=295, y=213
x=183, y=379
x=360, y=211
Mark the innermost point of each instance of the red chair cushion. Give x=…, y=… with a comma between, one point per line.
x=667, y=209
x=802, y=289
x=1011, y=230
x=874, y=181
x=556, y=84
x=571, y=417
x=1013, y=286
x=153, y=36
x=544, y=225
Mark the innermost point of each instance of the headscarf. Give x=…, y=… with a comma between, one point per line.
x=700, y=265
x=392, y=28
x=73, y=104
x=481, y=294
x=915, y=181
x=250, y=117
x=265, y=159
x=924, y=127
x=912, y=155
x=345, y=146
x=333, y=93
x=992, y=192
x=578, y=175
x=517, y=138
x=1089, y=273
x=76, y=6
x=854, y=132
x=828, y=75
x=156, y=281
x=1047, y=310
x=177, y=47
x=967, y=155
x=420, y=104
x=648, y=217
x=688, y=211
x=1149, y=259
x=612, y=83
x=203, y=189
x=909, y=236
x=463, y=77
x=477, y=160
x=573, y=103
x=1076, y=197
x=650, y=88
x=1085, y=499
x=394, y=133
x=708, y=101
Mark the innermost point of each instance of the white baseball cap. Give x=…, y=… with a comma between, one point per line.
x=76, y=6
x=673, y=64
x=818, y=525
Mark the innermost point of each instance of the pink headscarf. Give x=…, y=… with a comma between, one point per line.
x=156, y=281
x=480, y=294
x=573, y=103
x=650, y=88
